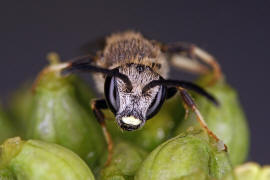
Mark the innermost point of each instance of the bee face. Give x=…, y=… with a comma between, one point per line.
x=132, y=109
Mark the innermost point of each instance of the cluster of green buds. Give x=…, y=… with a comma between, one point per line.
x=57, y=110
x=68, y=140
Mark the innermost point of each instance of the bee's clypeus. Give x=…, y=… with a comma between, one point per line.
x=132, y=72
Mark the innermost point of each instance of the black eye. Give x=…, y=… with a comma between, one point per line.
x=111, y=94
x=157, y=102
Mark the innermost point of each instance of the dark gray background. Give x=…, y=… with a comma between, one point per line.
x=236, y=33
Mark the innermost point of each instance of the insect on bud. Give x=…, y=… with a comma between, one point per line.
x=227, y=120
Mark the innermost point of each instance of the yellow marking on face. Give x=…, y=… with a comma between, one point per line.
x=131, y=120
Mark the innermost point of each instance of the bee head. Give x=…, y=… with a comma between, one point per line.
x=133, y=108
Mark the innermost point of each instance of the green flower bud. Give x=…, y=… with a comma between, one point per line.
x=156, y=130
x=125, y=162
x=21, y=101
x=20, y=106
x=7, y=129
x=252, y=171
x=191, y=155
x=61, y=115
x=228, y=121
x=33, y=159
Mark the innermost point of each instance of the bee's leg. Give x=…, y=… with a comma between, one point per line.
x=191, y=104
x=186, y=110
x=188, y=54
x=96, y=106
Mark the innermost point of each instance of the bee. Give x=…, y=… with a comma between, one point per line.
x=132, y=72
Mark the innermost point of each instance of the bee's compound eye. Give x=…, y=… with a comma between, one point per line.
x=157, y=102
x=111, y=94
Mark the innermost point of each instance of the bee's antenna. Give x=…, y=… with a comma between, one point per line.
x=183, y=84
x=87, y=67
